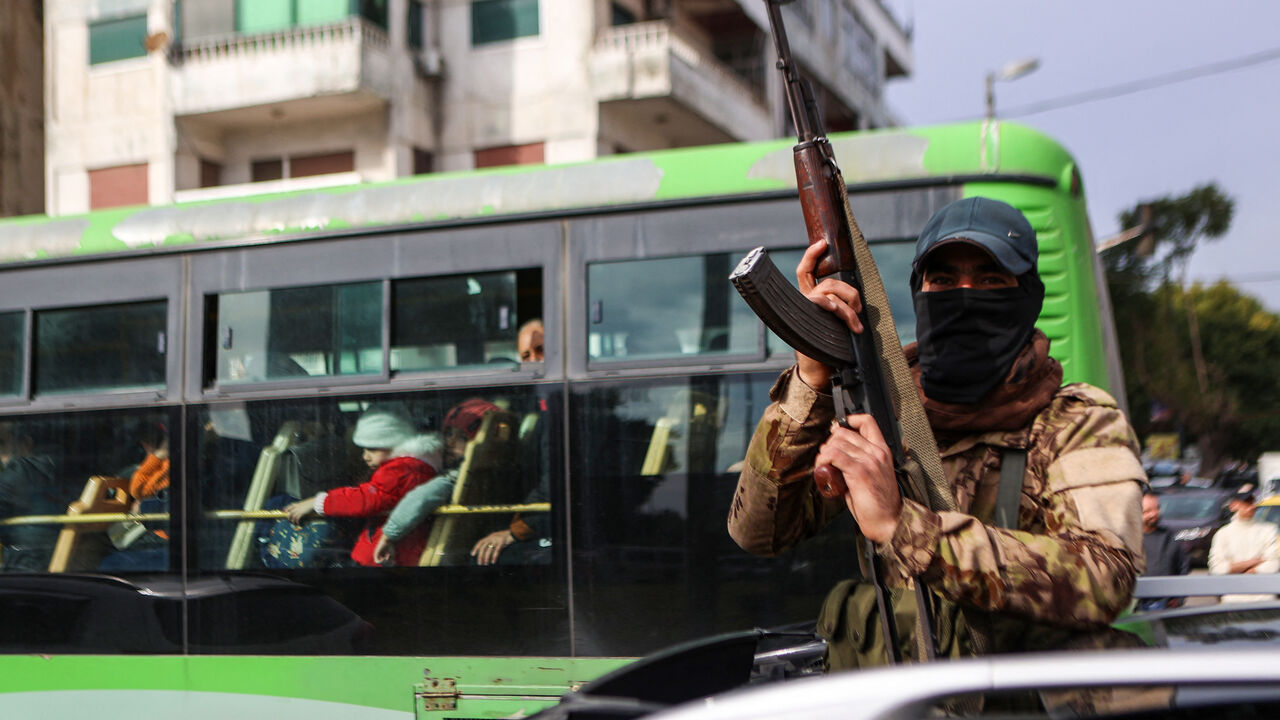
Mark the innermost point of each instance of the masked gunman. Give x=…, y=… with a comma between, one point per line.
x=1065, y=566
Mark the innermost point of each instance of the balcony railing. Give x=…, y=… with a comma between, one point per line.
x=229, y=72
x=659, y=36
x=308, y=38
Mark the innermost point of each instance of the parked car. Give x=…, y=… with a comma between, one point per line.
x=91, y=613
x=1269, y=510
x=1194, y=516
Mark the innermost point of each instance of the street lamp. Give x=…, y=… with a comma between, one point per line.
x=1011, y=71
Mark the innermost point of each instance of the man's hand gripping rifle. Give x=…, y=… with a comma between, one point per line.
x=857, y=381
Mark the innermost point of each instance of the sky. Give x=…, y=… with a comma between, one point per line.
x=1139, y=146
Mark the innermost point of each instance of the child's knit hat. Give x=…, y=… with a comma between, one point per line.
x=468, y=414
x=382, y=429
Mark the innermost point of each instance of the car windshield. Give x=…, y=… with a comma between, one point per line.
x=1190, y=506
x=1268, y=513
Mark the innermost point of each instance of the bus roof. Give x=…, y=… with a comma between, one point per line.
x=945, y=153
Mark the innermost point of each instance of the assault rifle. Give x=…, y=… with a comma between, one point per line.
x=858, y=384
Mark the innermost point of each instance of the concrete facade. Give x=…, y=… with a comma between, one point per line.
x=21, y=109
x=212, y=112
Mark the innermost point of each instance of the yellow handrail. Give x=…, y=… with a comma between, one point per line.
x=248, y=515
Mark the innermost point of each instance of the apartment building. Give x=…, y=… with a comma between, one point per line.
x=157, y=101
x=21, y=109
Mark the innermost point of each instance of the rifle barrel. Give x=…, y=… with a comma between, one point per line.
x=790, y=76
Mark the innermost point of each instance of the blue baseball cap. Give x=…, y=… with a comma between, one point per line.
x=997, y=227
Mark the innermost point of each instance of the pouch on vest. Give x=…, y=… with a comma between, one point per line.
x=850, y=623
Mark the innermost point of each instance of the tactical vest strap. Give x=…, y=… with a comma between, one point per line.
x=1013, y=465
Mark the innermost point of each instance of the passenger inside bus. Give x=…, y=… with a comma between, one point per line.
x=137, y=547
x=522, y=529
x=401, y=459
x=460, y=426
x=529, y=342
x=28, y=486
x=486, y=551
x=525, y=540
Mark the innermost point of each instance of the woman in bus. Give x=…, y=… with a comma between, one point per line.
x=401, y=459
x=28, y=486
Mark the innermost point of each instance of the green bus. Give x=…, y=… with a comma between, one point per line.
x=243, y=339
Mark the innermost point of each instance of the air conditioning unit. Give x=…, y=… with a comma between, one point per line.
x=429, y=62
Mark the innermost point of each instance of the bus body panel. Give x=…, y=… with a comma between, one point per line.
x=257, y=331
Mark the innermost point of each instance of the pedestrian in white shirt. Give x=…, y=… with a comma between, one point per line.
x=1245, y=545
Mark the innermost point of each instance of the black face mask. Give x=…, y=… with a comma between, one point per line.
x=968, y=339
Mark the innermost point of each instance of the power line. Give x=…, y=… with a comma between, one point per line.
x=1144, y=84
x=1236, y=279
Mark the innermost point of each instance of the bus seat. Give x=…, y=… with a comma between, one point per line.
x=489, y=475
x=101, y=494
x=692, y=417
x=658, y=455
x=260, y=488
x=529, y=427
x=530, y=459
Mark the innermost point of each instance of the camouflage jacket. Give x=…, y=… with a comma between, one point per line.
x=1070, y=565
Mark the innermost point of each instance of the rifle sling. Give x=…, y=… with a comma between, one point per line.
x=1013, y=465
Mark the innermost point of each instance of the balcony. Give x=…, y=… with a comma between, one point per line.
x=341, y=67
x=648, y=73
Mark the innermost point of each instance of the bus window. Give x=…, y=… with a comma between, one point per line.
x=325, y=330
x=101, y=348
x=458, y=320
x=112, y=462
x=12, y=352
x=255, y=458
x=893, y=260
x=267, y=455
x=655, y=465
x=667, y=307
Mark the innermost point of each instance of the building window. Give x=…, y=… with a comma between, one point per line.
x=423, y=161
x=620, y=15
x=118, y=186
x=375, y=11
x=258, y=16
x=117, y=39
x=322, y=164
x=531, y=154
x=210, y=173
x=266, y=169
x=296, y=166
x=414, y=31
x=498, y=20
x=262, y=16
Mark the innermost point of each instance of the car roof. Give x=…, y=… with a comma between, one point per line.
x=906, y=691
x=161, y=586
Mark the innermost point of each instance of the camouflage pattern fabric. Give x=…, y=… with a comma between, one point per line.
x=1067, y=570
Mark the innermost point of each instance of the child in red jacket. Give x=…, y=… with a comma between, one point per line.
x=401, y=459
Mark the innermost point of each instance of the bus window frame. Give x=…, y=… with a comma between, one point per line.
x=386, y=257
x=35, y=289
x=24, y=386
x=776, y=223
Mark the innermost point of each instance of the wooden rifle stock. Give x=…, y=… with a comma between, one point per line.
x=822, y=206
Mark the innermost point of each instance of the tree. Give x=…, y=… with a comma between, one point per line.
x=1237, y=413
x=1165, y=354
